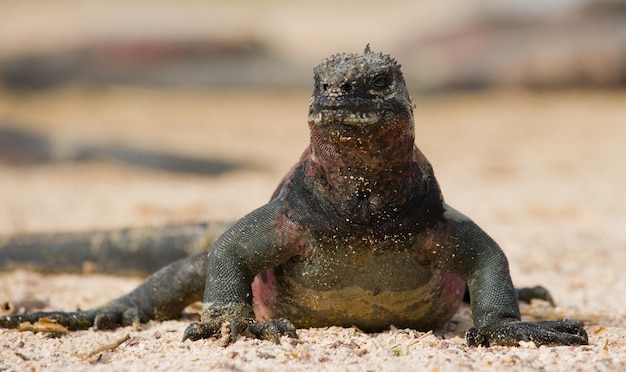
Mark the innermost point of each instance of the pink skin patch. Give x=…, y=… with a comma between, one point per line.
x=264, y=292
x=452, y=292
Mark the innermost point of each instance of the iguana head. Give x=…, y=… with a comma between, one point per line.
x=359, y=90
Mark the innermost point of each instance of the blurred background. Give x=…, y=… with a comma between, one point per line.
x=117, y=113
x=443, y=45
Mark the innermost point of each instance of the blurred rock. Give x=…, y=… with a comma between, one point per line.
x=23, y=148
x=584, y=49
x=155, y=62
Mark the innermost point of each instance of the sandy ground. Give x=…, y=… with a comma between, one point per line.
x=543, y=173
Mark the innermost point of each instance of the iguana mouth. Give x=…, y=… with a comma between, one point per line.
x=344, y=116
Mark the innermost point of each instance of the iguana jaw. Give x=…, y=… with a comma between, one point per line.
x=343, y=116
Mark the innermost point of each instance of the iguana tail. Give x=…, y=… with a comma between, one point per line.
x=132, y=251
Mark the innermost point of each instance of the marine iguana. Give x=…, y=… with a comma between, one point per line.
x=356, y=234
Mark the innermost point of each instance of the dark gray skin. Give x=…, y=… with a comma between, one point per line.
x=356, y=234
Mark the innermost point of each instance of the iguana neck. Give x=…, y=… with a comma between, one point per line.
x=362, y=172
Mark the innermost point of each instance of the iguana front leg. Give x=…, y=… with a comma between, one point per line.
x=261, y=240
x=163, y=295
x=470, y=253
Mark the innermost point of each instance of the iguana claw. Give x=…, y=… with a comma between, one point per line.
x=546, y=332
x=270, y=330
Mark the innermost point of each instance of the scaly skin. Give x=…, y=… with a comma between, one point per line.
x=132, y=251
x=357, y=234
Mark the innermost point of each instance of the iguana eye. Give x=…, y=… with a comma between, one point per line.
x=381, y=81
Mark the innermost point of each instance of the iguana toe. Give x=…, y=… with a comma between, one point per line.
x=511, y=332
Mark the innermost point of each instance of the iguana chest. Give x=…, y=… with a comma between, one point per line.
x=364, y=281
